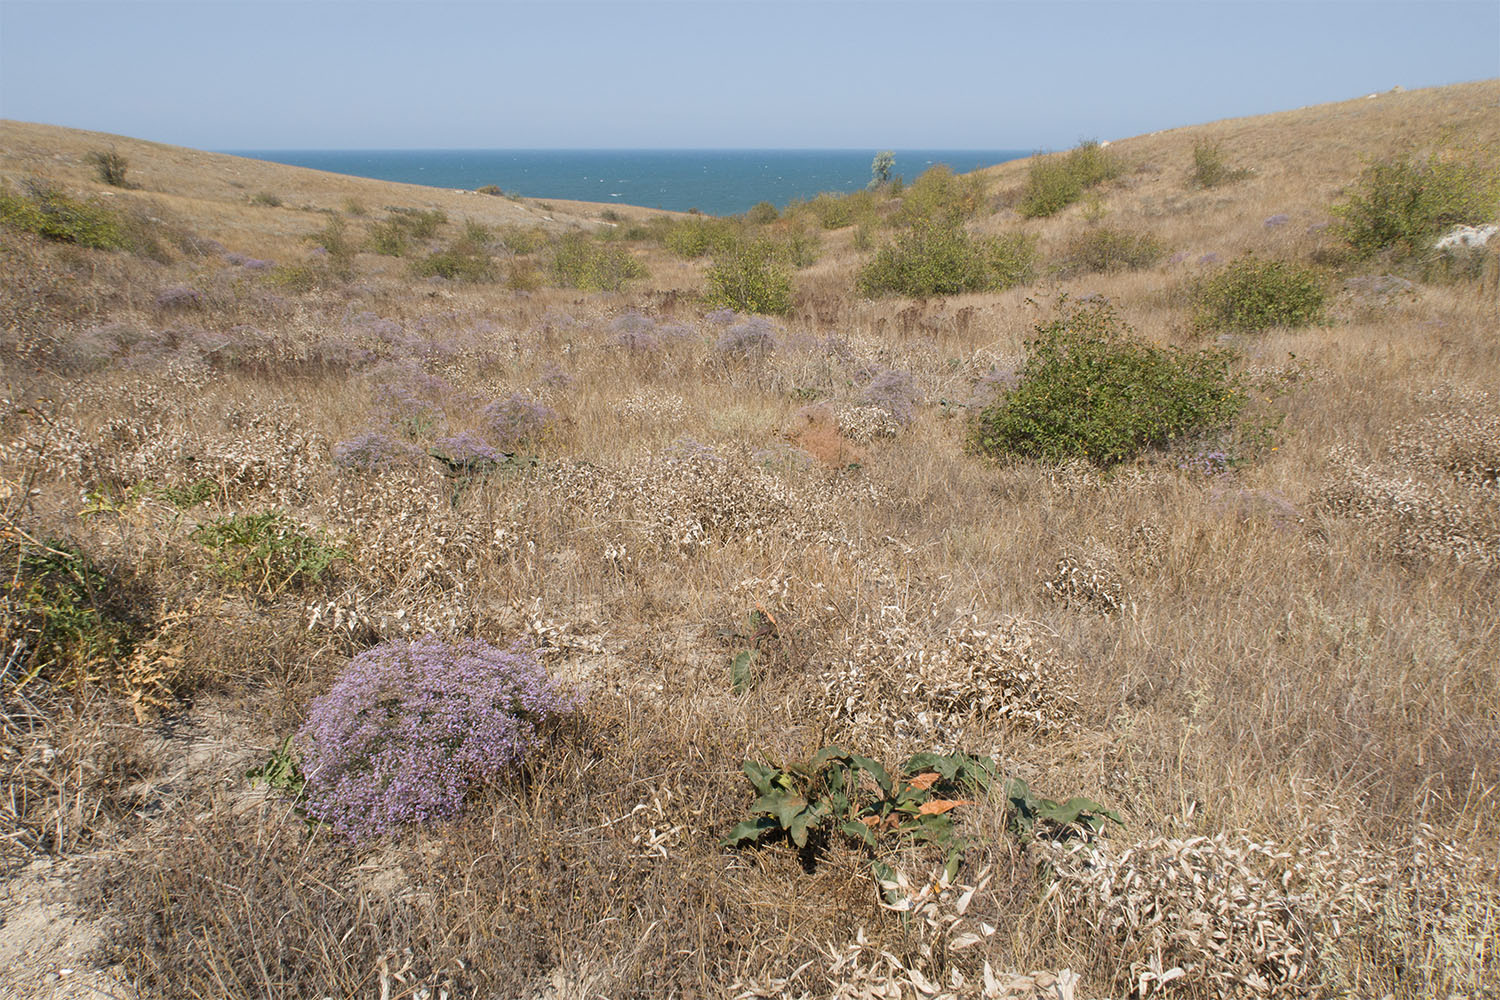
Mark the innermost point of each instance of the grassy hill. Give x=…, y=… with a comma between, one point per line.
x=1139, y=563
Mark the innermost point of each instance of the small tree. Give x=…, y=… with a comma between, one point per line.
x=881, y=167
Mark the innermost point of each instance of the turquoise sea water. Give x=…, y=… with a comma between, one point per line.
x=719, y=181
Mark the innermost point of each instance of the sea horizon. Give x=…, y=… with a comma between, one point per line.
x=716, y=181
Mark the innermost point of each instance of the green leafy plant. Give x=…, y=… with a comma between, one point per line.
x=1400, y=207
x=940, y=196
x=760, y=629
x=265, y=199
x=751, y=276
x=465, y=259
x=282, y=772
x=1211, y=168
x=340, y=247
x=268, y=552
x=696, y=236
x=1089, y=389
x=1252, y=294
x=1055, y=182
x=941, y=258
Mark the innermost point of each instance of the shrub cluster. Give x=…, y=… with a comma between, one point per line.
x=268, y=552
x=465, y=259
x=1400, y=207
x=111, y=167
x=1104, y=249
x=1211, y=168
x=409, y=727
x=1251, y=294
x=941, y=258
x=1090, y=390
x=1055, y=182
x=55, y=216
x=940, y=195
x=585, y=264
x=751, y=276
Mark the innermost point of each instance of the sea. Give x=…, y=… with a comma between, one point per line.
x=716, y=182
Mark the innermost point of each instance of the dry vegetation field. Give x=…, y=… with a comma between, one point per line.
x=576, y=539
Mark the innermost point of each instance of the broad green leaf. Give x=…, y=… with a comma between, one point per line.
x=800, y=823
x=760, y=775
x=740, y=672
x=829, y=753
x=787, y=807
x=859, y=832
x=750, y=829
x=876, y=771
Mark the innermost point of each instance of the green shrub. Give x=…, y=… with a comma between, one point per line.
x=464, y=259
x=267, y=552
x=51, y=214
x=389, y=237
x=1253, y=294
x=585, y=264
x=761, y=213
x=335, y=240
x=696, y=237
x=1089, y=390
x=62, y=618
x=265, y=199
x=838, y=211
x=751, y=276
x=1211, y=169
x=940, y=195
x=940, y=258
x=355, y=207
x=294, y=277
x=1055, y=182
x=1104, y=249
x=1401, y=207
x=111, y=167
x=523, y=240
x=421, y=224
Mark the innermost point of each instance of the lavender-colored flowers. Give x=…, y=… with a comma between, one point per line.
x=179, y=297
x=466, y=451
x=373, y=451
x=1279, y=219
x=634, y=332
x=722, y=317
x=517, y=420
x=893, y=391
x=752, y=338
x=409, y=727
x=1209, y=461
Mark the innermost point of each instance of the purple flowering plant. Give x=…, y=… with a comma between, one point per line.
x=372, y=451
x=517, y=420
x=408, y=728
x=895, y=392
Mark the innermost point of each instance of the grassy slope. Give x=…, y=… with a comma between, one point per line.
x=1277, y=668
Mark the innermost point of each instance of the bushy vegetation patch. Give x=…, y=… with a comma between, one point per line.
x=751, y=276
x=1252, y=294
x=268, y=552
x=465, y=259
x=1211, y=167
x=111, y=167
x=1401, y=206
x=1091, y=390
x=409, y=727
x=1104, y=249
x=590, y=266
x=941, y=258
x=941, y=196
x=1055, y=182
x=50, y=213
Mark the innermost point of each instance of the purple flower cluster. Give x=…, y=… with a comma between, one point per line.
x=249, y=263
x=516, y=420
x=373, y=451
x=1279, y=219
x=722, y=317
x=634, y=332
x=411, y=398
x=1210, y=462
x=179, y=297
x=895, y=392
x=754, y=337
x=466, y=450
x=409, y=727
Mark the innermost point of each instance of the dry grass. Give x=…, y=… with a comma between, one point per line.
x=1283, y=673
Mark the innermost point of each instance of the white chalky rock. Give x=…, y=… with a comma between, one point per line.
x=1469, y=237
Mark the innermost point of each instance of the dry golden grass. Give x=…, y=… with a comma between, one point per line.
x=1285, y=676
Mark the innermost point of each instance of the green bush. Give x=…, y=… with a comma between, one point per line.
x=1253, y=294
x=1401, y=207
x=267, y=552
x=940, y=258
x=582, y=263
x=111, y=167
x=389, y=237
x=697, y=236
x=1211, y=169
x=523, y=240
x=421, y=224
x=335, y=240
x=51, y=214
x=1089, y=390
x=1104, y=249
x=465, y=259
x=265, y=199
x=940, y=195
x=761, y=213
x=751, y=276
x=1055, y=182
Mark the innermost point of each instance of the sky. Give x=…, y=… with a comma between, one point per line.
x=413, y=74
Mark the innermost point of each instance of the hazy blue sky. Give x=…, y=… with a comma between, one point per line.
x=237, y=74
